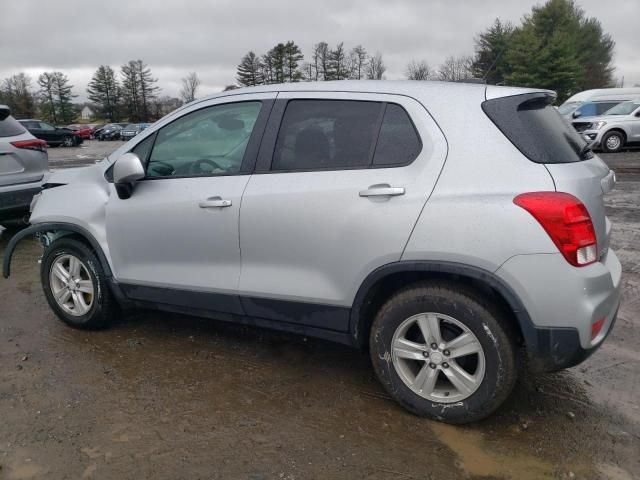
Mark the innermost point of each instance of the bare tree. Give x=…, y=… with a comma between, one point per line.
x=455, y=69
x=321, y=61
x=190, y=85
x=419, y=70
x=375, y=67
x=357, y=62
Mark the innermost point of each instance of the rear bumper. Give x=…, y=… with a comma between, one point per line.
x=15, y=200
x=563, y=302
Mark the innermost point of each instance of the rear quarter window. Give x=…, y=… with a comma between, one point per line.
x=536, y=128
x=10, y=127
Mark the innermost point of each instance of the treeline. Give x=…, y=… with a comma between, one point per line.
x=285, y=63
x=556, y=46
x=131, y=95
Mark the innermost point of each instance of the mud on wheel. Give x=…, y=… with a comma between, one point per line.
x=443, y=352
x=75, y=286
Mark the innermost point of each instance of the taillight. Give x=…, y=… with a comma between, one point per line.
x=596, y=327
x=34, y=144
x=567, y=221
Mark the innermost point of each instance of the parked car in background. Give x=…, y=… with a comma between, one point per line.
x=84, y=131
x=591, y=103
x=54, y=136
x=131, y=131
x=110, y=131
x=616, y=129
x=23, y=165
x=358, y=212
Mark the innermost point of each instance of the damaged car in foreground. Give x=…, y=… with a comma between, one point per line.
x=365, y=215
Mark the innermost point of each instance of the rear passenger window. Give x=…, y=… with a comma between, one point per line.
x=327, y=134
x=398, y=143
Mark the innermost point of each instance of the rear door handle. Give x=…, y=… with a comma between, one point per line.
x=382, y=191
x=215, y=202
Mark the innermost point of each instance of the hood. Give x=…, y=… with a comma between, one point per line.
x=75, y=175
x=602, y=118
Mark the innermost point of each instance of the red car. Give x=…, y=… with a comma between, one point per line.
x=83, y=131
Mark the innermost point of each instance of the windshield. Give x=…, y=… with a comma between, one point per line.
x=625, y=108
x=567, y=108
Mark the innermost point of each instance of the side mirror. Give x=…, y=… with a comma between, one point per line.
x=576, y=114
x=638, y=113
x=127, y=170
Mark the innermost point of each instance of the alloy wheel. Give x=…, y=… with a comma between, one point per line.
x=438, y=357
x=71, y=285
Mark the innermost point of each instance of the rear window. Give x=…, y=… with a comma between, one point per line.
x=10, y=127
x=536, y=128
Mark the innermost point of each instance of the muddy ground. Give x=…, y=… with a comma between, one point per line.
x=173, y=397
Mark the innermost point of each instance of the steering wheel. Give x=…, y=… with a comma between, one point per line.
x=168, y=166
x=196, y=166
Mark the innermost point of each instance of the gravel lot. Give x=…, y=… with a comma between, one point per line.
x=168, y=396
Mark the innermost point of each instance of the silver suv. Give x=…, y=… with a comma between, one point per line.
x=447, y=228
x=617, y=128
x=23, y=165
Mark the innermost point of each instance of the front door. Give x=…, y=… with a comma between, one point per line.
x=178, y=232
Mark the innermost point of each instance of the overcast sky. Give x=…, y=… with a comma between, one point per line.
x=210, y=36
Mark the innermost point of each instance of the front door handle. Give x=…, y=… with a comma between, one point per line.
x=382, y=191
x=215, y=202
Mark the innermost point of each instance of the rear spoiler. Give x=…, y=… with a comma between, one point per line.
x=4, y=112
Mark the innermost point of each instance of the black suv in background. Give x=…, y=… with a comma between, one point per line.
x=52, y=135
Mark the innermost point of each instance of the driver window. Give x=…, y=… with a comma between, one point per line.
x=206, y=142
x=46, y=126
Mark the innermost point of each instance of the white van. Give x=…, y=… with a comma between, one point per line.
x=593, y=103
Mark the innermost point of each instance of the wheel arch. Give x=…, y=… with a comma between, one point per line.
x=65, y=229
x=386, y=280
x=618, y=130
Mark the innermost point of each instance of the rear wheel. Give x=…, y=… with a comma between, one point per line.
x=75, y=285
x=613, y=142
x=443, y=352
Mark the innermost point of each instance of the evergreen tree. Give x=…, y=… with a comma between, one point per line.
x=337, y=64
x=62, y=90
x=490, y=61
x=292, y=58
x=556, y=47
x=139, y=90
x=250, y=70
x=55, y=94
x=47, y=97
x=104, y=91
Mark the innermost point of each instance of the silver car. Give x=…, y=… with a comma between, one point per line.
x=619, y=127
x=446, y=228
x=23, y=165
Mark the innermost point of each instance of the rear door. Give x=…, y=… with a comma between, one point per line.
x=340, y=183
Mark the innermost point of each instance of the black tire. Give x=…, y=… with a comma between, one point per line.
x=68, y=141
x=610, y=137
x=103, y=308
x=488, y=323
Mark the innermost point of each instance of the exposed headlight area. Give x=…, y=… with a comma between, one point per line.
x=598, y=125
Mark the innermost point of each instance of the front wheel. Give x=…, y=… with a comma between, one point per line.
x=68, y=141
x=443, y=352
x=75, y=285
x=612, y=142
